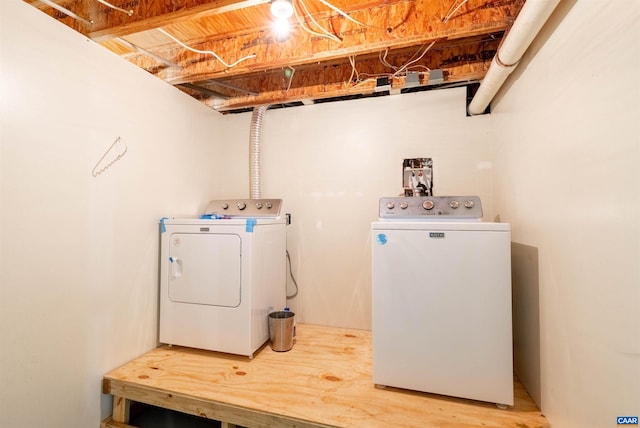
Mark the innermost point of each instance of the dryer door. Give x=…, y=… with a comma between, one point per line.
x=205, y=269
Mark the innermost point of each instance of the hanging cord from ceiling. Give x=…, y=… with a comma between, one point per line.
x=207, y=52
x=128, y=12
x=293, y=279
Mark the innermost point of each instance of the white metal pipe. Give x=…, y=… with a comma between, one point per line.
x=255, y=167
x=525, y=28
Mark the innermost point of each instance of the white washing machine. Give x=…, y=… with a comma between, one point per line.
x=221, y=275
x=441, y=292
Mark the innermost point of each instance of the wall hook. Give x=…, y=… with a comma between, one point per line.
x=113, y=154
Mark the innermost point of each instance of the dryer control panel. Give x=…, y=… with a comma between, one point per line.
x=244, y=208
x=441, y=208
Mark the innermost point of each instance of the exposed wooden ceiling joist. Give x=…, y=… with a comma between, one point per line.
x=368, y=39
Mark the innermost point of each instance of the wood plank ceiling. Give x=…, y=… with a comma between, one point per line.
x=225, y=53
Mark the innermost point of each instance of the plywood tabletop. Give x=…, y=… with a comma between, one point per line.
x=324, y=381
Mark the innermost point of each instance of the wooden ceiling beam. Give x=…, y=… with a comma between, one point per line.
x=465, y=34
x=391, y=26
x=461, y=63
x=310, y=93
x=150, y=14
x=108, y=23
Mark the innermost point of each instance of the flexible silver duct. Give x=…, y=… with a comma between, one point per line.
x=255, y=166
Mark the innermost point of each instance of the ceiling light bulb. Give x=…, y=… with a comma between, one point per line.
x=282, y=8
x=281, y=29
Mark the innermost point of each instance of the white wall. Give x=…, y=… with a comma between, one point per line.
x=332, y=162
x=78, y=254
x=567, y=176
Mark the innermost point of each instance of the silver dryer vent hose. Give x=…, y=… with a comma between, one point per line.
x=255, y=167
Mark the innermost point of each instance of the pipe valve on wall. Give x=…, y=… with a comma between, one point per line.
x=417, y=177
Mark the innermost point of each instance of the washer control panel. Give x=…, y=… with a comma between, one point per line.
x=431, y=208
x=244, y=208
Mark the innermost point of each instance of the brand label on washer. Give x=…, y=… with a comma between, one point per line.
x=436, y=234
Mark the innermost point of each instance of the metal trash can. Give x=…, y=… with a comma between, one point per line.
x=281, y=330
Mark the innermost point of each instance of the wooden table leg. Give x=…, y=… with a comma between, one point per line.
x=121, y=409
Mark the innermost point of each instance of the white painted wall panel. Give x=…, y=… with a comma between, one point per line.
x=332, y=162
x=78, y=254
x=567, y=150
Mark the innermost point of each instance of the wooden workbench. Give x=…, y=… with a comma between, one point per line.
x=324, y=381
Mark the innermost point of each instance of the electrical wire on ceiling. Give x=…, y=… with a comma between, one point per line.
x=361, y=78
x=326, y=34
x=409, y=64
x=290, y=71
x=412, y=60
x=207, y=52
x=67, y=12
x=310, y=16
x=452, y=10
x=326, y=3
x=354, y=71
x=128, y=12
x=383, y=59
x=398, y=71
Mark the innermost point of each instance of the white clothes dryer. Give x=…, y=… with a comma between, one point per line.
x=221, y=276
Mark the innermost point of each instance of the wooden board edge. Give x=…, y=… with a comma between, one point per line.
x=209, y=409
x=110, y=423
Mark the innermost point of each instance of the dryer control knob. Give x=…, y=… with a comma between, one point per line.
x=259, y=205
x=454, y=204
x=225, y=206
x=391, y=205
x=241, y=206
x=428, y=205
x=468, y=204
x=268, y=205
x=404, y=205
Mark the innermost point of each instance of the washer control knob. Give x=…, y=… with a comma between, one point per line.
x=225, y=206
x=454, y=204
x=428, y=205
x=268, y=205
x=241, y=205
x=404, y=205
x=391, y=205
x=259, y=205
x=469, y=204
